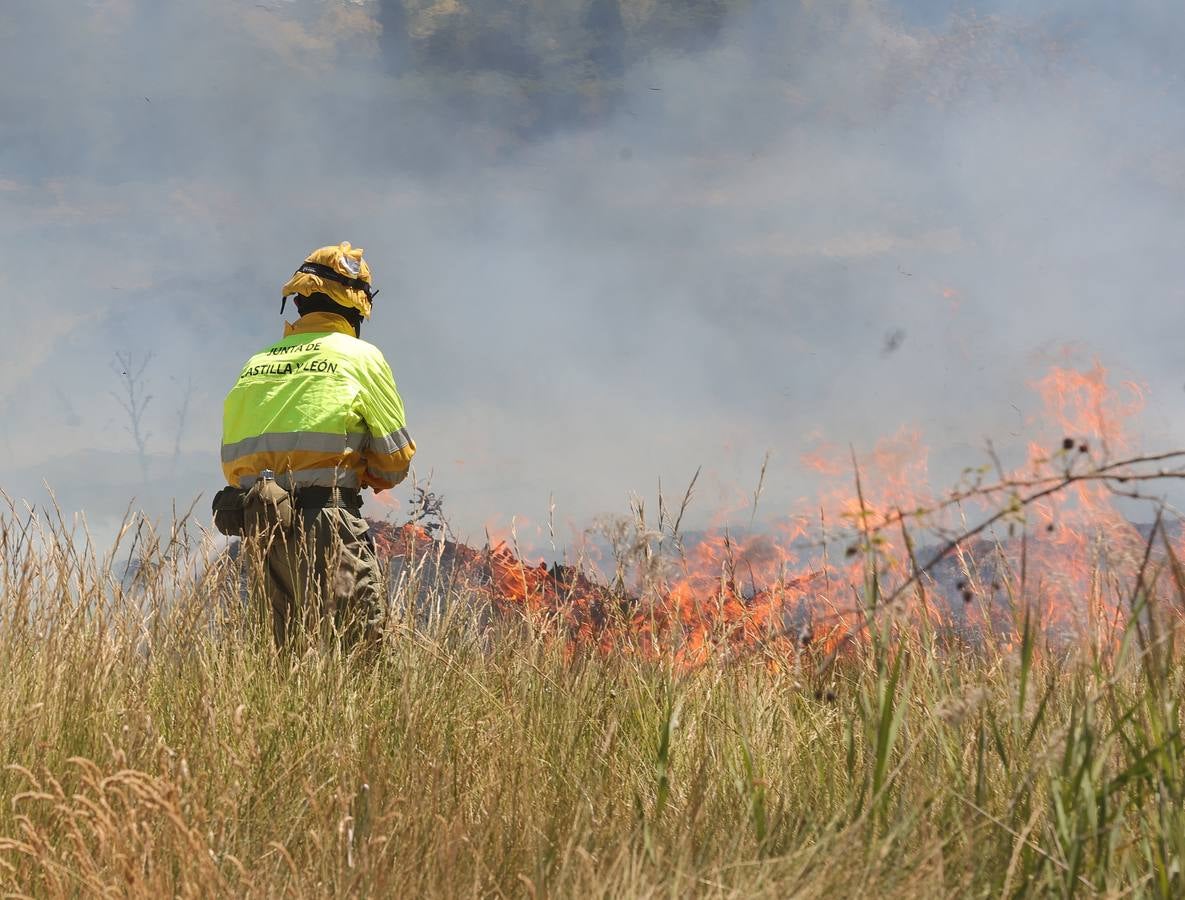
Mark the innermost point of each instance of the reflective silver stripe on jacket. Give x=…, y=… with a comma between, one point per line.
x=389, y=443
x=288, y=441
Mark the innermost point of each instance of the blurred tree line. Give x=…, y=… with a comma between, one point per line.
x=562, y=59
x=525, y=38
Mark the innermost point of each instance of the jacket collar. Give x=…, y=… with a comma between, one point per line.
x=319, y=323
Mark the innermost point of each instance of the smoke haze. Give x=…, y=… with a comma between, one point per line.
x=604, y=260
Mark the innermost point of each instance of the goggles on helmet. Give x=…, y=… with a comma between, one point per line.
x=333, y=275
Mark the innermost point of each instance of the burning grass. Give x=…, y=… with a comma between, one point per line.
x=733, y=718
x=154, y=744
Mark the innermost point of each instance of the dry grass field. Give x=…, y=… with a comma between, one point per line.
x=969, y=693
x=153, y=743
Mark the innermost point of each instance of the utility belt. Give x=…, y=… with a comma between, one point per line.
x=314, y=497
x=266, y=507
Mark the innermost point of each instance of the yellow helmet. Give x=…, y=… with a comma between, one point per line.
x=340, y=273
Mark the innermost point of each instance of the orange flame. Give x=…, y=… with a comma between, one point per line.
x=809, y=588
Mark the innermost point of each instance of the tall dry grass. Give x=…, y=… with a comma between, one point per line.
x=152, y=743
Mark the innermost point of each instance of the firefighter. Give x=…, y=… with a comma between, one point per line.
x=313, y=420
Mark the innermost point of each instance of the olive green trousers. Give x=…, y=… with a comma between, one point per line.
x=320, y=580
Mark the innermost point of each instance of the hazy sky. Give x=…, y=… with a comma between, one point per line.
x=834, y=220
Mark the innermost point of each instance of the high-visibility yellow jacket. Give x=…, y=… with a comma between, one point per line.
x=319, y=407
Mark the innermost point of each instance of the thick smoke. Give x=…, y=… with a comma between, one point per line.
x=615, y=242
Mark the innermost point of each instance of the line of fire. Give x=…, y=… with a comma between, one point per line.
x=1051, y=545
